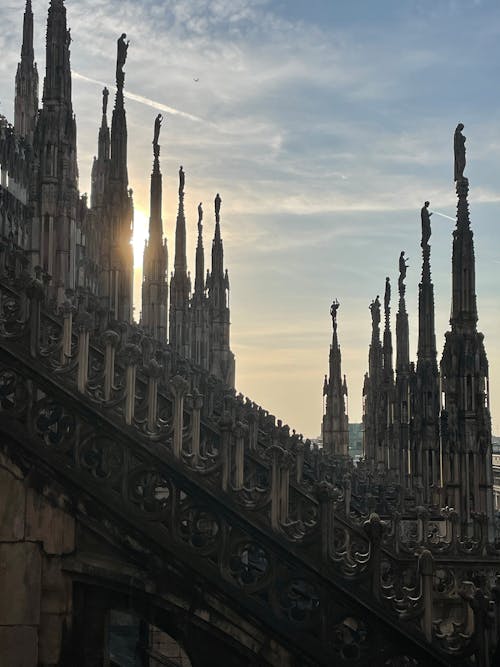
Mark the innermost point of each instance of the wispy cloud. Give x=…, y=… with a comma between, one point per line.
x=140, y=98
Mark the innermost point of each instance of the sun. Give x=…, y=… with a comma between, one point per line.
x=141, y=230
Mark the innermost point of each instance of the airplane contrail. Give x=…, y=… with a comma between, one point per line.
x=141, y=99
x=444, y=216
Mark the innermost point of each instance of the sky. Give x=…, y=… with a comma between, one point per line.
x=324, y=126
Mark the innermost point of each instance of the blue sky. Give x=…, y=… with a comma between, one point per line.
x=324, y=125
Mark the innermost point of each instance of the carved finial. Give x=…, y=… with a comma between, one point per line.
x=181, y=181
x=333, y=312
x=218, y=202
x=121, y=58
x=425, y=216
x=105, y=96
x=459, y=149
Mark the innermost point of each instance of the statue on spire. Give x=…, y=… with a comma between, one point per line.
x=333, y=312
x=375, y=311
x=200, y=214
x=121, y=58
x=459, y=147
x=425, y=216
x=403, y=266
x=156, y=137
x=218, y=202
x=387, y=297
x=181, y=181
x=105, y=96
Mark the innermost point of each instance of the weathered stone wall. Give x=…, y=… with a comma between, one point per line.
x=35, y=599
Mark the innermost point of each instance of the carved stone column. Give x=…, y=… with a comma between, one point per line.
x=153, y=372
x=110, y=339
x=132, y=354
x=197, y=399
x=179, y=388
x=36, y=295
x=67, y=310
x=83, y=326
x=426, y=571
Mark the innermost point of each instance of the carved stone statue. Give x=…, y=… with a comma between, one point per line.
x=387, y=295
x=121, y=57
x=181, y=180
x=426, y=223
x=403, y=266
x=105, y=97
x=459, y=147
x=218, y=202
x=158, y=121
x=375, y=311
x=200, y=214
x=333, y=312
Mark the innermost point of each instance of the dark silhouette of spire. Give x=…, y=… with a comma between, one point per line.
x=199, y=282
x=464, y=307
x=180, y=284
x=335, y=422
x=119, y=135
x=154, y=317
x=466, y=422
x=180, y=262
x=55, y=177
x=26, y=100
x=425, y=462
x=426, y=352
x=372, y=392
x=101, y=164
x=221, y=357
x=57, y=84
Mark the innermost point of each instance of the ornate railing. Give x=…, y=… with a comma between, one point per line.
x=206, y=474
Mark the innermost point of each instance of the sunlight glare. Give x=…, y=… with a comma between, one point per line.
x=141, y=227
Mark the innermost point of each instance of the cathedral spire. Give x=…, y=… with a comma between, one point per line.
x=335, y=421
x=104, y=140
x=180, y=284
x=100, y=166
x=154, y=316
x=119, y=137
x=425, y=463
x=402, y=388
x=180, y=262
x=26, y=100
x=155, y=220
x=426, y=352
x=387, y=346
x=200, y=334
x=221, y=357
x=55, y=177
x=464, y=308
x=372, y=409
x=27, y=50
x=217, y=245
x=199, y=282
x=466, y=422
x=120, y=207
x=402, y=332
x=57, y=84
